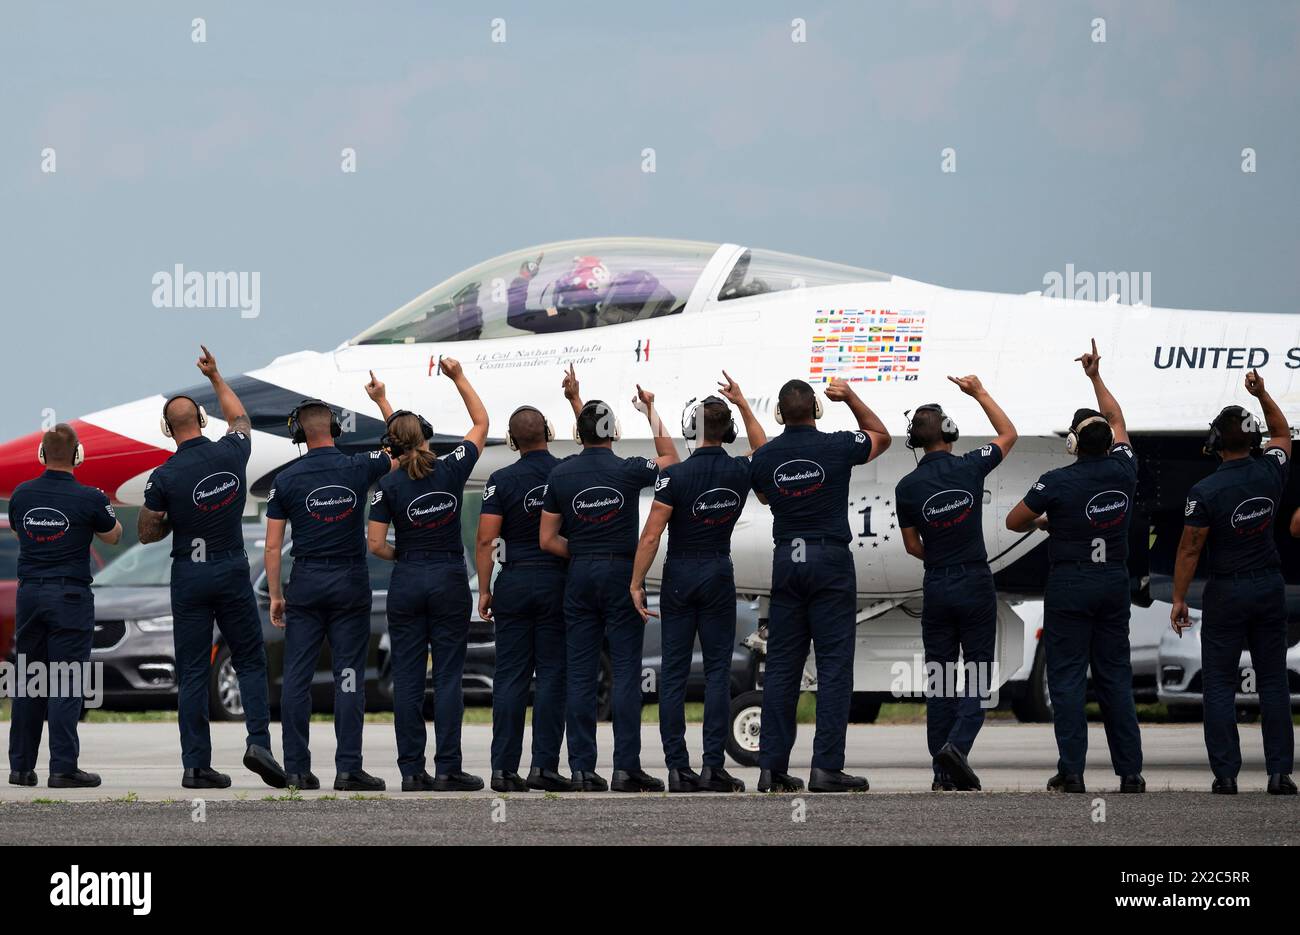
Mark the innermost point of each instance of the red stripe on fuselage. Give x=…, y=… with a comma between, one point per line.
x=111, y=459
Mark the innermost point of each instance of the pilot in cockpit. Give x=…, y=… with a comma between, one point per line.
x=586, y=295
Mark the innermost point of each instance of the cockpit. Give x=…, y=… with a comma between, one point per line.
x=580, y=284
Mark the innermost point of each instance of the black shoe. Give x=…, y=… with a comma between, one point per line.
x=419, y=782
x=1224, y=786
x=835, y=780
x=635, y=780
x=507, y=780
x=1062, y=782
x=305, y=781
x=548, y=780
x=1134, y=783
x=684, y=780
x=943, y=784
x=259, y=760
x=954, y=763
x=1281, y=784
x=204, y=777
x=77, y=779
x=456, y=782
x=358, y=781
x=717, y=779
x=772, y=781
x=588, y=782
x=22, y=777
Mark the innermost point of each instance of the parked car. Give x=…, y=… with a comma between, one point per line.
x=9, y=585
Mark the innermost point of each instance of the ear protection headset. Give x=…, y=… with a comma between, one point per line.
x=395, y=448
x=1072, y=439
x=78, y=455
x=597, y=408
x=167, y=426
x=691, y=416
x=549, y=432
x=299, y=434
x=818, y=410
x=1214, y=440
x=948, y=430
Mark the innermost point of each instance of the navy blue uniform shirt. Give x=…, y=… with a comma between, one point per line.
x=707, y=491
x=201, y=488
x=597, y=494
x=516, y=493
x=943, y=499
x=425, y=513
x=1238, y=504
x=322, y=496
x=1088, y=500
x=804, y=475
x=56, y=518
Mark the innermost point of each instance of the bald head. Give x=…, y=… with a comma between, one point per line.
x=182, y=414
x=528, y=429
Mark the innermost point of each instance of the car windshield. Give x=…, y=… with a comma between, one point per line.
x=568, y=286
x=141, y=566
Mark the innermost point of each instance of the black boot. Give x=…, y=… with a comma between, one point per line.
x=1281, y=784
x=589, y=782
x=418, y=782
x=306, y=782
x=772, y=781
x=635, y=780
x=458, y=781
x=259, y=760
x=683, y=780
x=1224, y=786
x=77, y=779
x=1062, y=782
x=1133, y=783
x=548, y=780
x=507, y=780
x=835, y=780
x=358, y=781
x=204, y=777
x=958, y=769
x=717, y=779
x=22, y=777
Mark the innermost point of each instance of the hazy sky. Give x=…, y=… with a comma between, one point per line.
x=225, y=155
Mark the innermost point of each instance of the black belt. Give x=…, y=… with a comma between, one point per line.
x=605, y=556
x=557, y=562
x=1268, y=572
x=211, y=556
x=54, y=579
x=416, y=555
x=328, y=560
x=697, y=553
x=822, y=540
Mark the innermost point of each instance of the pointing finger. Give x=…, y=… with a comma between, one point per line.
x=1094, y=347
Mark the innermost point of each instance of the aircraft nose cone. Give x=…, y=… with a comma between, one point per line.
x=111, y=459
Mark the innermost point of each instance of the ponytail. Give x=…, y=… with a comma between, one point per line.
x=417, y=464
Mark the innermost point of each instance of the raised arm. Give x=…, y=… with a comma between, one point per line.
x=868, y=421
x=378, y=394
x=232, y=410
x=730, y=391
x=489, y=534
x=664, y=447
x=1106, y=403
x=1279, y=433
x=1005, y=433
x=646, y=550
x=274, y=545
x=571, y=391
x=473, y=405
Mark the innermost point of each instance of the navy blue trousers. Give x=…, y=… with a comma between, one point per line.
x=428, y=611
x=1246, y=613
x=697, y=602
x=598, y=609
x=814, y=602
x=325, y=601
x=528, y=617
x=203, y=592
x=958, y=617
x=1085, y=623
x=55, y=624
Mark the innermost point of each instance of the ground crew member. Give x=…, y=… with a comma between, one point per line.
x=803, y=475
x=198, y=496
x=698, y=501
x=322, y=495
x=55, y=518
x=1244, y=606
x=595, y=495
x=939, y=509
x=1088, y=507
x=526, y=607
x=428, y=597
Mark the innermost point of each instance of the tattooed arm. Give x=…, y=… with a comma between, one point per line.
x=152, y=526
x=232, y=410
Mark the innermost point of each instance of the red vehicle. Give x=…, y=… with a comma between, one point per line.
x=9, y=585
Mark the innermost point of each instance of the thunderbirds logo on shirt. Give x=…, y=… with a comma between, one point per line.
x=715, y=507
x=867, y=345
x=1253, y=516
x=331, y=503
x=45, y=524
x=216, y=491
x=947, y=508
x=597, y=505
x=534, y=499
x=431, y=510
x=799, y=478
x=1107, y=509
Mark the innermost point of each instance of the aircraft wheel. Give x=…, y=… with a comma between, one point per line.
x=1034, y=706
x=746, y=719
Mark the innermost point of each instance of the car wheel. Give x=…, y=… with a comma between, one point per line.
x=605, y=689
x=1034, y=705
x=746, y=722
x=864, y=708
x=224, y=700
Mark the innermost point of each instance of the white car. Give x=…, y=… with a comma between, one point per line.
x=1180, y=668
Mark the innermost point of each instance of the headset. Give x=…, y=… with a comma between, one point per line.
x=167, y=426
x=1072, y=439
x=691, y=415
x=1249, y=424
x=818, y=410
x=394, y=447
x=78, y=455
x=593, y=406
x=948, y=430
x=549, y=431
x=298, y=433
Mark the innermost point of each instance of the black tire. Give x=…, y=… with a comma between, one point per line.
x=605, y=689
x=864, y=708
x=224, y=700
x=1034, y=704
x=743, y=729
